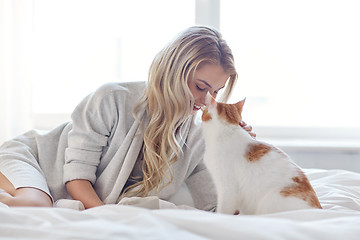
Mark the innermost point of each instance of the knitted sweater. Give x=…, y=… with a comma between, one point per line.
x=102, y=144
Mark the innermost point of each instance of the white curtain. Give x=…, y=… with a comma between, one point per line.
x=15, y=84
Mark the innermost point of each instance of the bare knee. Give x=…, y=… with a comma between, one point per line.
x=6, y=185
x=7, y=190
x=22, y=196
x=31, y=197
x=26, y=197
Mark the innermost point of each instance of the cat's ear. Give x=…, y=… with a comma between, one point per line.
x=240, y=105
x=209, y=99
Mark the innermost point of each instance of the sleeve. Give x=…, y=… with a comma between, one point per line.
x=93, y=120
x=202, y=188
x=199, y=180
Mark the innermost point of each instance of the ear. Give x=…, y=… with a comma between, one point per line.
x=240, y=105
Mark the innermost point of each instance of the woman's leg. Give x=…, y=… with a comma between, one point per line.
x=25, y=196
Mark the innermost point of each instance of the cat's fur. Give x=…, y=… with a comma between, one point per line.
x=250, y=176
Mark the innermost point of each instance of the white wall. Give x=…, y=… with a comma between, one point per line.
x=326, y=158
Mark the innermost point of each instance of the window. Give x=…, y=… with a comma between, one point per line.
x=298, y=64
x=298, y=61
x=77, y=45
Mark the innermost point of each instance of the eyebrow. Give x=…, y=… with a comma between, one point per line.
x=207, y=84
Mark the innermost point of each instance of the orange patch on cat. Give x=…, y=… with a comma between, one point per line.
x=256, y=151
x=206, y=116
x=229, y=112
x=301, y=188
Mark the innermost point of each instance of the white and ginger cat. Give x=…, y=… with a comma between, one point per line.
x=250, y=176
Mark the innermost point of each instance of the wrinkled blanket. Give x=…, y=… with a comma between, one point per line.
x=152, y=218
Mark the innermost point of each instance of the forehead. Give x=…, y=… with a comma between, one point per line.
x=213, y=74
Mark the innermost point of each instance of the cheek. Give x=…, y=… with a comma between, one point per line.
x=191, y=86
x=193, y=91
x=194, y=94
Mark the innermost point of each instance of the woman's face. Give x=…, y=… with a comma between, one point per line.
x=208, y=78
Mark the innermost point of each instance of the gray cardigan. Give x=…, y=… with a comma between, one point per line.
x=102, y=144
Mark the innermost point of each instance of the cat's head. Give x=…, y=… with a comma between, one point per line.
x=230, y=113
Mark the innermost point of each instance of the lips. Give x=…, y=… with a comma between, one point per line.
x=196, y=107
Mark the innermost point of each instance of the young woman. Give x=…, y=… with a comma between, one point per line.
x=127, y=139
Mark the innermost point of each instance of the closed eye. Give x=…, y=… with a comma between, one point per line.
x=200, y=89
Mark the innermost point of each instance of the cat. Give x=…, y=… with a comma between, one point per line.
x=250, y=176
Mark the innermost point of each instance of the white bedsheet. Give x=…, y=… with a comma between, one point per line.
x=338, y=191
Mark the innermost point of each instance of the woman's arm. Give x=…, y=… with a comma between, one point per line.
x=92, y=122
x=83, y=191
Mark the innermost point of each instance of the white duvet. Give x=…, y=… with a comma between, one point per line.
x=338, y=192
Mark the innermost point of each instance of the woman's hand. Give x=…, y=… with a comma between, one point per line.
x=248, y=128
x=83, y=191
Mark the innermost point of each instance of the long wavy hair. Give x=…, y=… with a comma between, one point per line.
x=168, y=100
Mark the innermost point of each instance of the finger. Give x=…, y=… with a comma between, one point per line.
x=247, y=128
x=242, y=123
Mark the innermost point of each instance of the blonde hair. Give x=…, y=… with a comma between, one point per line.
x=168, y=98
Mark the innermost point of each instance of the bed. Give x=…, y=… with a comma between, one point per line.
x=151, y=218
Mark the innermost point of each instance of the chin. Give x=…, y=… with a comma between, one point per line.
x=194, y=111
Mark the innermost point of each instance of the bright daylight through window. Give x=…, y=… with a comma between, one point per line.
x=298, y=61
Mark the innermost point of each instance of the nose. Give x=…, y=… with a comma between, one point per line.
x=213, y=94
x=202, y=99
x=207, y=98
